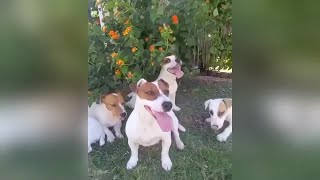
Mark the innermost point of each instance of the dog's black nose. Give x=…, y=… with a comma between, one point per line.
x=123, y=114
x=167, y=106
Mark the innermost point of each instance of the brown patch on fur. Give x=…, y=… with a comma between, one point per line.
x=163, y=86
x=148, y=91
x=228, y=102
x=166, y=61
x=113, y=102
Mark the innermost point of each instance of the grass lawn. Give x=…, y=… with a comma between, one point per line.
x=203, y=157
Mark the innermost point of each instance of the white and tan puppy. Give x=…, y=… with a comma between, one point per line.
x=95, y=133
x=170, y=71
x=110, y=112
x=152, y=121
x=220, y=110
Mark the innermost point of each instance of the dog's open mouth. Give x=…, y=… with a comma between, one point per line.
x=163, y=119
x=176, y=70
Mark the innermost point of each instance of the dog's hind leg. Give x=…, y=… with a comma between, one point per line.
x=179, y=143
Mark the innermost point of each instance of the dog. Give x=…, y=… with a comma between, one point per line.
x=95, y=133
x=220, y=110
x=110, y=112
x=152, y=121
x=170, y=71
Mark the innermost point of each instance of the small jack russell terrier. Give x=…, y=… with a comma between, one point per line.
x=152, y=121
x=170, y=71
x=95, y=133
x=110, y=112
x=220, y=110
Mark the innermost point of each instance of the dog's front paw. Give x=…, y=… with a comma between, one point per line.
x=110, y=138
x=176, y=108
x=166, y=164
x=132, y=162
x=119, y=135
x=180, y=145
x=221, y=137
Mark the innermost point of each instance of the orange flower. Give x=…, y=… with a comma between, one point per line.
x=146, y=39
x=134, y=49
x=127, y=30
x=175, y=19
x=127, y=22
x=120, y=62
x=114, y=54
x=104, y=29
x=160, y=49
x=151, y=48
x=130, y=75
x=117, y=72
x=113, y=35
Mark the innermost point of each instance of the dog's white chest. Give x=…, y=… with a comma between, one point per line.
x=149, y=135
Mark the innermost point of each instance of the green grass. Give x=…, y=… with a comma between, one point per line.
x=203, y=157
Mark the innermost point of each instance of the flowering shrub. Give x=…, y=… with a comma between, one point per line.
x=137, y=35
x=131, y=44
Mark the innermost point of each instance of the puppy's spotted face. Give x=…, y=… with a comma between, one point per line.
x=115, y=103
x=154, y=97
x=172, y=64
x=217, y=110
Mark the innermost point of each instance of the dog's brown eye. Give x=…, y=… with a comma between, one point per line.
x=113, y=105
x=166, y=91
x=220, y=114
x=211, y=112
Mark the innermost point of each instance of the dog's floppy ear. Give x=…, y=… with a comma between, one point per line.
x=206, y=104
x=140, y=82
x=165, y=61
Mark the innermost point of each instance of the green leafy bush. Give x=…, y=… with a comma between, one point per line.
x=138, y=34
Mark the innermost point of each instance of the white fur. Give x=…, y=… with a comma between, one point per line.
x=142, y=129
x=171, y=80
x=213, y=104
x=105, y=117
x=95, y=133
x=173, y=86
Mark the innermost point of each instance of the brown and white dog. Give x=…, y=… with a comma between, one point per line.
x=152, y=121
x=170, y=71
x=110, y=112
x=220, y=110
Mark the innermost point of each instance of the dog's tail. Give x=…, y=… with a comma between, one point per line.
x=181, y=128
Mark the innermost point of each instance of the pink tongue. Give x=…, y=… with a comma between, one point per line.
x=177, y=71
x=164, y=121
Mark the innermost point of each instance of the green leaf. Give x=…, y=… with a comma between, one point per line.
x=160, y=10
x=153, y=16
x=124, y=69
x=215, y=12
x=160, y=43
